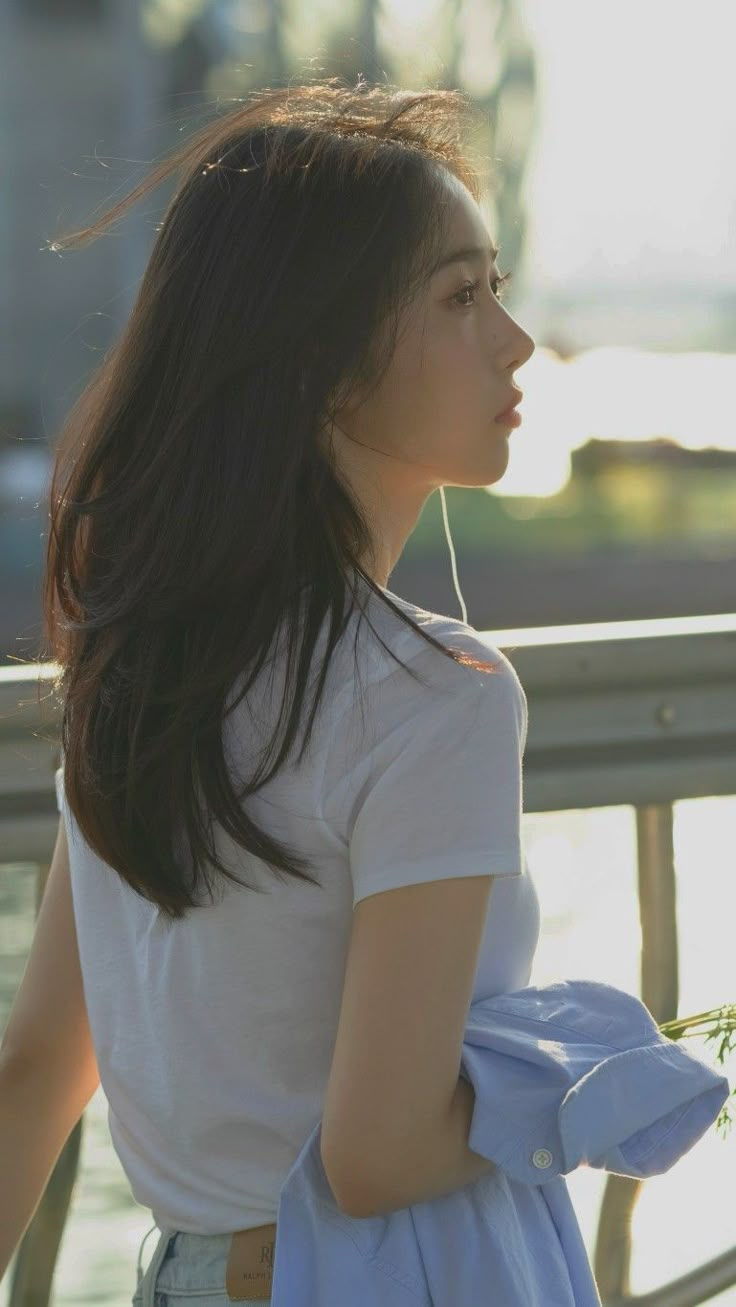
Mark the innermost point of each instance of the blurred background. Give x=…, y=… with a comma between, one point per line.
x=612, y=196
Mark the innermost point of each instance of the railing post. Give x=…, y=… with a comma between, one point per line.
x=659, y=985
x=35, y=1260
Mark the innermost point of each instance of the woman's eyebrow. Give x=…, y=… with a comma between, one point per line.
x=469, y=252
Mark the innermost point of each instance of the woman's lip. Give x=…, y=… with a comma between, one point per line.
x=511, y=418
x=512, y=406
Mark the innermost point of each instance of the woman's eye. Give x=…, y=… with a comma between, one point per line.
x=498, y=286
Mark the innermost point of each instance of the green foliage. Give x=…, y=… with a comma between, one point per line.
x=719, y=1023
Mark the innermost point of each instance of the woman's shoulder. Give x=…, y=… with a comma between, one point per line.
x=452, y=632
x=393, y=673
x=409, y=701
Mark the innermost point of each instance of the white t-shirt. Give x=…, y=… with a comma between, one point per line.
x=214, y=1035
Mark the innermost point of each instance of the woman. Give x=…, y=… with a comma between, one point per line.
x=313, y=350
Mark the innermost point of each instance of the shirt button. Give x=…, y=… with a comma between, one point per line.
x=542, y=1157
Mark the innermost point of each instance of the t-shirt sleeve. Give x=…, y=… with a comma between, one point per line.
x=443, y=797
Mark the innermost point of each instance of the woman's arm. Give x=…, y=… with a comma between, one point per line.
x=442, y=1164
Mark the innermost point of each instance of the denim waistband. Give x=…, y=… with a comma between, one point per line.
x=183, y=1263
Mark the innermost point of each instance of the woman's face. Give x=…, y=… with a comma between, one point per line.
x=453, y=369
x=431, y=420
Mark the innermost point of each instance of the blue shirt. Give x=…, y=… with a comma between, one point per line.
x=575, y=1073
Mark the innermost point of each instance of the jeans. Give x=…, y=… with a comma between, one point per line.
x=185, y=1270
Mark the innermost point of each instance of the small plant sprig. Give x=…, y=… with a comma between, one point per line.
x=720, y=1024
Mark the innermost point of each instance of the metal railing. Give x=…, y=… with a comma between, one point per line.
x=637, y=713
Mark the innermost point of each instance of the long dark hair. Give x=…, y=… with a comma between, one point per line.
x=192, y=507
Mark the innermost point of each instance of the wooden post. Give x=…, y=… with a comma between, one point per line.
x=660, y=993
